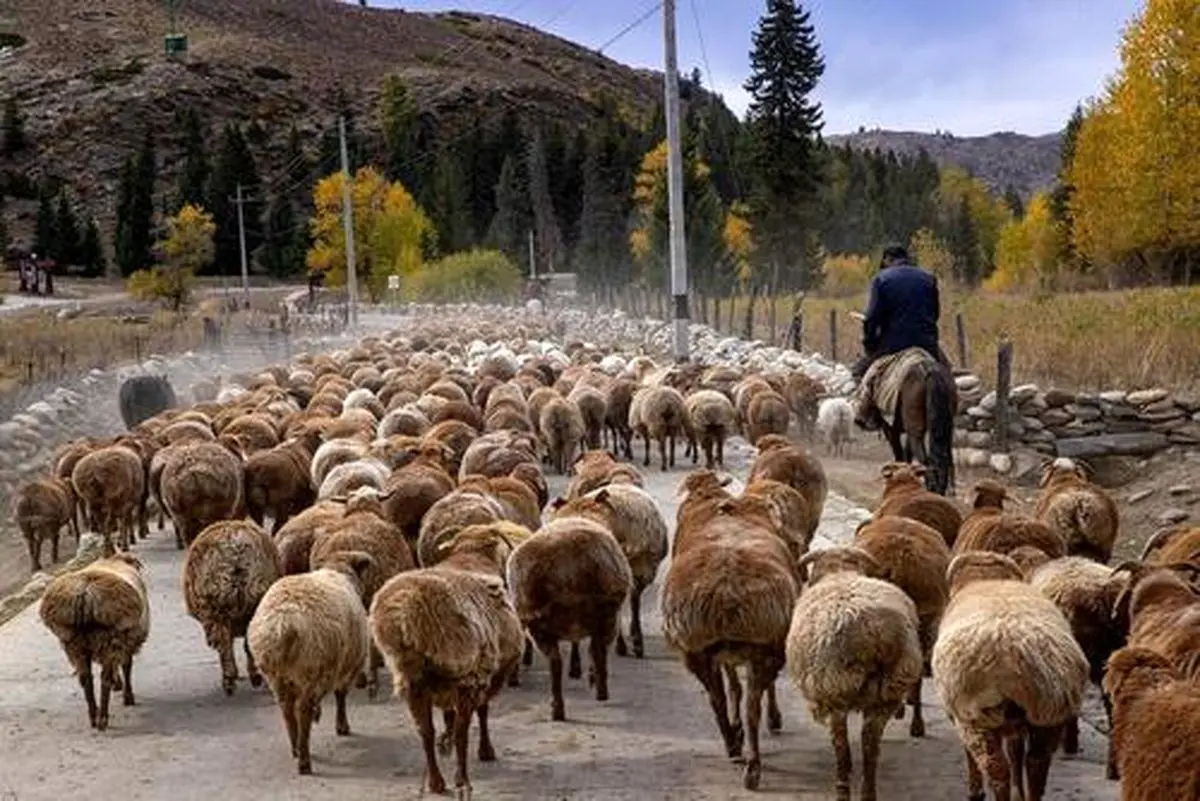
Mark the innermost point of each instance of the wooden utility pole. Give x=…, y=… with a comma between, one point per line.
x=679, y=268
x=348, y=221
x=240, y=200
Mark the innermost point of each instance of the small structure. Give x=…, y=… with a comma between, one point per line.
x=34, y=276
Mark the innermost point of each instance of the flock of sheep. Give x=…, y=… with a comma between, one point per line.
x=412, y=527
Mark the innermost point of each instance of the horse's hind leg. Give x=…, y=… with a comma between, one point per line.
x=893, y=437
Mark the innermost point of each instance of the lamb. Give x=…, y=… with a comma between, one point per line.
x=1156, y=726
x=309, y=637
x=451, y=638
x=788, y=463
x=202, y=483
x=100, y=613
x=727, y=602
x=42, y=509
x=905, y=495
x=110, y=483
x=804, y=395
x=989, y=528
x=1009, y=673
x=1086, y=593
x=714, y=420
x=634, y=518
x=659, y=413
x=912, y=556
x=1078, y=511
x=226, y=572
x=835, y=421
x=569, y=581
x=853, y=646
x=562, y=427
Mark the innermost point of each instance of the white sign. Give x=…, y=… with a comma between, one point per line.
x=393, y=282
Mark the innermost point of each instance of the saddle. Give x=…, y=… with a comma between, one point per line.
x=878, y=394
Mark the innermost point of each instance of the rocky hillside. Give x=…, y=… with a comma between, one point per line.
x=1004, y=159
x=90, y=76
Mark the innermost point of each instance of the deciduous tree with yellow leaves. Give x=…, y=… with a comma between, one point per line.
x=186, y=248
x=1136, y=201
x=391, y=232
x=1028, y=250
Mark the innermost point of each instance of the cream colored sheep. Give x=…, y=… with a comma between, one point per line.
x=853, y=646
x=659, y=413
x=714, y=420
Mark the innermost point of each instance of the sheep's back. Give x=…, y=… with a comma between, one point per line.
x=228, y=569
x=570, y=563
x=639, y=528
x=101, y=610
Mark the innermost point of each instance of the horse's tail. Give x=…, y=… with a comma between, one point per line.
x=939, y=411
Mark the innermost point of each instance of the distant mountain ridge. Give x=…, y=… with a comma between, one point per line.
x=1002, y=159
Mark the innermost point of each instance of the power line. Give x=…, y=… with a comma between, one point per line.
x=624, y=31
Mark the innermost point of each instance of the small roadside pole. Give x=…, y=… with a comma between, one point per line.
x=394, y=289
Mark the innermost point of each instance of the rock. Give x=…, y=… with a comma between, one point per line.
x=1001, y=463
x=1167, y=426
x=1180, y=489
x=1039, y=436
x=1058, y=397
x=1144, y=397
x=1034, y=406
x=1056, y=417
x=1023, y=393
x=1046, y=448
x=960, y=437
x=967, y=382
x=1114, y=397
x=1032, y=423
x=1115, y=444
x=1189, y=402
x=1117, y=411
x=1083, y=413
x=988, y=402
x=1087, y=399
x=1140, y=496
x=1172, y=517
x=1162, y=407
x=979, y=439
x=1174, y=413
x=979, y=412
x=1127, y=426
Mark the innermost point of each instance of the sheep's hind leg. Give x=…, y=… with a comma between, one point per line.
x=705, y=669
x=462, y=727
x=445, y=743
x=1016, y=760
x=1042, y=742
x=222, y=642
x=774, y=716
x=987, y=751
x=487, y=753
x=287, y=705
x=35, y=553
x=598, y=644
x=127, y=687
x=88, y=684
x=635, y=623
x=1111, y=771
x=106, y=687
x=735, y=696
x=256, y=679
x=917, y=727
x=304, y=721
x=872, y=738
x=1070, y=743
x=575, y=669
x=420, y=705
x=549, y=647
x=841, y=752
x=760, y=680
x=342, y=725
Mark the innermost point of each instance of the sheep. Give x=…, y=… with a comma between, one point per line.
x=1173, y=544
x=226, y=572
x=1079, y=511
x=766, y=413
x=835, y=422
x=201, y=484
x=334, y=452
x=451, y=638
x=727, y=602
x=788, y=463
x=659, y=413
x=618, y=397
x=1086, y=593
x=278, y=481
x=714, y=419
x=295, y=538
x=407, y=420
x=413, y=489
x=634, y=518
x=798, y=523
x=449, y=515
x=100, y=613
x=594, y=410
x=110, y=483
x=309, y=637
x=1156, y=726
x=1009, y=673
x=989, y=528
x=912, y=556
x=349, y=476
x=42, y=509
x=595, y=469
x=853, y=646
x=456, y=436
x=517, y=499
x=569, y=581
x=562, y=428
x=1161, y=612
x=904, y=494
x=804, y=395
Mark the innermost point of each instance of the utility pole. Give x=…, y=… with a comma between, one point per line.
x=679, y=274
x=240, y=201
x=348, y=220
x=532, y=256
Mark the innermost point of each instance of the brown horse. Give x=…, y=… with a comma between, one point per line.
x=917, y=414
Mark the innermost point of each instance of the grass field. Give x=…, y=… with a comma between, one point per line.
x=1085, y=341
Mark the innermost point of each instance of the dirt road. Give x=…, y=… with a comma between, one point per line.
x=655, y=739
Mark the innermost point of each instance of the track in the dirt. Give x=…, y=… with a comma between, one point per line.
x=655, y=739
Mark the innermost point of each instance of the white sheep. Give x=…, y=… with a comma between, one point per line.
x=835, y=422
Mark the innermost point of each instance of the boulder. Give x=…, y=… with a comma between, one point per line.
x=1056, y=398
x=1144, y=397
x=1112, y=445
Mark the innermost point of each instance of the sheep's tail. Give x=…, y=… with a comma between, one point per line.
x=939, y=416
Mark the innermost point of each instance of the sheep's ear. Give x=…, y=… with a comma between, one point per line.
x=603, y=497
x=339, y=498
x=888, y=470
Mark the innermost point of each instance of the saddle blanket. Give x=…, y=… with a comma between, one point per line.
x=878, y=394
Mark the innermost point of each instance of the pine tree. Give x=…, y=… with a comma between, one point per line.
x=509, y=231
x=1012, y=199
x=1060, y=197
x=400, y=122
x=193, y=179
x=135, y=210
x=283, y=247
x=548, y=236
x=13, y=128
x=67, y=243
x=235, y=165
x=45, y=232
x=449, y=207
x=964, y=245
x=91, y=252
x=784, y=126
x=602, y=259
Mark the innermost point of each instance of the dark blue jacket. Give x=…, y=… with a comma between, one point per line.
x=902, y=311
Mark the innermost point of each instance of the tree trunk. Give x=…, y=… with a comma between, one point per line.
x=750, y=298
x=716, y=313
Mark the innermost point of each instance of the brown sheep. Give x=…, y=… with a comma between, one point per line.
x=569, y=581
x=914, y=557
x=595, y=469
x=618, y=396
x=201, y=484
x=799, y=524
x=989, y=528
x=451, y=638
x=659, y=413
x=1173, y=544
x=1162, y=613
x=766, y=413
x=100, y=613
x=594, y=409
x=451, y=514
x=562, y=428
x=413, y=489
x=294, y=539
x=789, y=463
x=1156, y=726
x=226, y=572
x=278, y=481
x=904, y=494
x=1078, y=511
x=455, y=435
x=714, y=420
x=42, y=509
x=518, y=499
x=110, y=483
x=804, y=395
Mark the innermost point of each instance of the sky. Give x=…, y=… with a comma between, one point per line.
x=970, y=67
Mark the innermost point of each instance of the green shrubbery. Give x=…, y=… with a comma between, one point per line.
x=470, y=276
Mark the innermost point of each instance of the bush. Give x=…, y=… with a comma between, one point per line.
x=847, y=275
x=171, y=285
x=471, y=276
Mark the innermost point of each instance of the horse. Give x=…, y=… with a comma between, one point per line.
x=913, y=399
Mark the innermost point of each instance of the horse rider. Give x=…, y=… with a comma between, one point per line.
x=902, y=312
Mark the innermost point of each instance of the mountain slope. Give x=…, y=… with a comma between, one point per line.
x=1028, y=163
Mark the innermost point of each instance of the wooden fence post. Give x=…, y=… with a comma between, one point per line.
x=833, y=343
x=1004, y=357
x=961, y=331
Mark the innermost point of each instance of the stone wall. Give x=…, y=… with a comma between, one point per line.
x=1057, y=422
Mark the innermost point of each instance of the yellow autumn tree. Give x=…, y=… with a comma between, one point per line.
x=390, y=231
x=739, y=241
x=989, y=213
x=846, y=274
x=1028, y=249
x=932, y=254
x=186, y=248
x=1136, y=204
